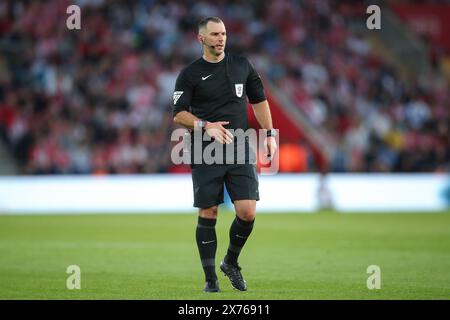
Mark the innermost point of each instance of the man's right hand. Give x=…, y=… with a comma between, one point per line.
x=217, y=131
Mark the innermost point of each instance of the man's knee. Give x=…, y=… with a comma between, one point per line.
x=208, y=213
x=247, y=215
x=246, y=209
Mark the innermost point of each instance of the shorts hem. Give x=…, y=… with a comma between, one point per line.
x=203, y=206
x=244, y=198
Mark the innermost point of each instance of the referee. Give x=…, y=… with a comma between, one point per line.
x=210, y=96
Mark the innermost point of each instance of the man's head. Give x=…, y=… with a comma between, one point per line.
x=213, y=36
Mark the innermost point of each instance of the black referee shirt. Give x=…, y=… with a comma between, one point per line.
x=217, y=91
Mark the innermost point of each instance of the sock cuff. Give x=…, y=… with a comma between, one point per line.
x=207, y=222
x=245, y=224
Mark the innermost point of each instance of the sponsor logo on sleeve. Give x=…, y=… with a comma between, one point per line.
x=176, y=96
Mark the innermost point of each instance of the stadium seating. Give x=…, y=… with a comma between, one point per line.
x=98, y=100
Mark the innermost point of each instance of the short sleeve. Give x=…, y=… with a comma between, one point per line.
x=254, y=86
x=182, y=94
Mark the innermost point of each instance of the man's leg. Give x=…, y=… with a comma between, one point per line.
x=242, y=185
x=240, y=229
x=207, y=245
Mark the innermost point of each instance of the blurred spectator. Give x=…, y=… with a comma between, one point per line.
x=98, y=100
x=293, y=158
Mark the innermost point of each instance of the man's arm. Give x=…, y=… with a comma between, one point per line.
x=256, y=96
x=186, y=119
x=264, y=118
x=213, y=129
x=181, y=100
x=262, y=114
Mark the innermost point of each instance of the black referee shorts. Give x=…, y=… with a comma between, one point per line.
x=241, y=181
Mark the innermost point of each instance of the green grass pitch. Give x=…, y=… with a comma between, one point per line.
x=288, y=256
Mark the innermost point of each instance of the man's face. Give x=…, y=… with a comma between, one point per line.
x=214, y=35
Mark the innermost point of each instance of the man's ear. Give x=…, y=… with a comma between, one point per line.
x=200, y=39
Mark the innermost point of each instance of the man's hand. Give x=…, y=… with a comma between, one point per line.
x=270, y=146
x=218, y=132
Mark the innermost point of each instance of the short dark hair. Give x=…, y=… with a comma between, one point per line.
x=202, y=24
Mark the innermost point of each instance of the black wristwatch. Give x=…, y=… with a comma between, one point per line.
x=271, y=133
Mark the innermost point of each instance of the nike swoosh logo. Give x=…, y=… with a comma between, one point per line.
x=204, y=78
x=241, y=237
x=205, y=242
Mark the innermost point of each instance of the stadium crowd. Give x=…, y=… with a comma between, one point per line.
x=98, y=100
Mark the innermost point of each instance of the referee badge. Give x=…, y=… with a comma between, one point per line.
x=239, y=89
x=176, y=96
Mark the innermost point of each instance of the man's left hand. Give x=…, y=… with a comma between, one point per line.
x=270, y=146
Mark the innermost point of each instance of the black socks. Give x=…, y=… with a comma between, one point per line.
x=239, y=232
x=207, y=246
x=207, y=243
